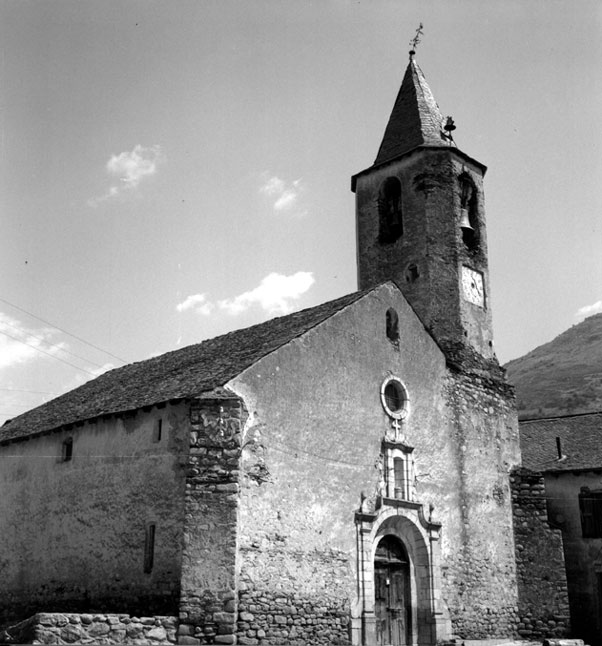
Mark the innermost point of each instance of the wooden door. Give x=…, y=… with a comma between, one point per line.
x=392, y=604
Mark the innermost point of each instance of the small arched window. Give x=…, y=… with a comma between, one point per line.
x=412, y=274
x=392, y=325
x=469, y=220
x=389, y=211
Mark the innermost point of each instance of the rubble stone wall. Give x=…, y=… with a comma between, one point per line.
x=542, y=584
x=71, y=628
x=208, y=603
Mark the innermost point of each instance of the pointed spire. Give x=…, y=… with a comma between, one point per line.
x=415, y=119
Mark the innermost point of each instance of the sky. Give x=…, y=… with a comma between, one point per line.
x=170, y=171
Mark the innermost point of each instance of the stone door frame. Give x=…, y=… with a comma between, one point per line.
x=404, y=520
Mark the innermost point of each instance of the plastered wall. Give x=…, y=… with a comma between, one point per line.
x=312, y=447
x=73, y=532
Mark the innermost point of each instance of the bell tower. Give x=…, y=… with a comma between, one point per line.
x=420, y=221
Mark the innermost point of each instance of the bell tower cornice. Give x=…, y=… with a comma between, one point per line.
x=444, y=147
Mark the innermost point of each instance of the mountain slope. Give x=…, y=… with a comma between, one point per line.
x=563, y=376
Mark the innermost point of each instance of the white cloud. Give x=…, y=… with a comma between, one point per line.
x=274, y=294
x=588, y=310
x=19, y=344
x=196, y=302
x=285, y=195
x=129, y=168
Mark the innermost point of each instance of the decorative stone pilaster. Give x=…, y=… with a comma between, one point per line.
x=208, y=605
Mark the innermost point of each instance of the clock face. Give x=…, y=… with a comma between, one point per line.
x=472, y=286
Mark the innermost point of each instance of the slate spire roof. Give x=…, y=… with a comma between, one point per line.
x=415, y=119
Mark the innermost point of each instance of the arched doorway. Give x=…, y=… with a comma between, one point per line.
x=392, y=593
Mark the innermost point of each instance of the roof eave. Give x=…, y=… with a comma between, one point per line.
x=411, y=152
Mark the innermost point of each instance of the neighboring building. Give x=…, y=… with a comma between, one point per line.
x=568, y=452
x=337, y=475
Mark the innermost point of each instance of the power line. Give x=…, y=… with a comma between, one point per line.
x=47, y=353
x=22, y=390
x=52, y=345
x=62, y=330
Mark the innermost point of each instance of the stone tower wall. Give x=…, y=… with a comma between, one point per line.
x=431, y=241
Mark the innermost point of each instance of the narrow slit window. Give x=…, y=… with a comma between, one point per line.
x=400, y=481
x=67, y=450
x=149, y=547
x=158, y=430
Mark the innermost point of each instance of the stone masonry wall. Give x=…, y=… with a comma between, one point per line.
x=270, y=617
x=208, y=602
x=69, y=628
x=542, y=585
x=479, y=578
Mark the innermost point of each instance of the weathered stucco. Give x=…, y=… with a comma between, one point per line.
x=73, y=532
x=313, y=448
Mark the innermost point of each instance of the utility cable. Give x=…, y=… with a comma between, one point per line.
x=62, y=330
x=22, y=390
x=52, y=345
x=47, y=353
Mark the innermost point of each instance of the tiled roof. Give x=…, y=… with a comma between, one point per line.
x=580, y=442
x=415, y=119
x=180, y=374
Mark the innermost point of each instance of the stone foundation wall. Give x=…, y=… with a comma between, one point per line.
x=208, y=603
x=269, y=616
x=67, y=628
x=542, y=585
x=290, y=619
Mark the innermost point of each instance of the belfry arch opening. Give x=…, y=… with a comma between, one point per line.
x=469, y=220
x=389, y=211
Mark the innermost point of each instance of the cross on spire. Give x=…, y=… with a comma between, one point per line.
x=414, y=42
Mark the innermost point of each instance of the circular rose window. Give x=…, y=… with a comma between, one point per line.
x=394, y=398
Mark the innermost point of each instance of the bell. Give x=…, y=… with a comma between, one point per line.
x=449, y=125
x=465, y=221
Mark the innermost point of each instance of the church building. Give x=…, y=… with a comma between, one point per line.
x=340, y=475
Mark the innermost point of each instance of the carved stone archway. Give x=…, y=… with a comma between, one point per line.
x=405, y=521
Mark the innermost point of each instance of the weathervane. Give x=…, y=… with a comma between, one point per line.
x=414, y=42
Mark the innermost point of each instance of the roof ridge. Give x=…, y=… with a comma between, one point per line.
x=175, y=375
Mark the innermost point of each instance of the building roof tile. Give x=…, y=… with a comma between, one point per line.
x=580, y=443
x=180, y=374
